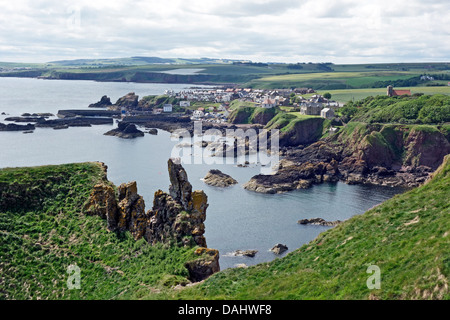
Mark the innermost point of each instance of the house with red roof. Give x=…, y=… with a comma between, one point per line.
x=391, y=92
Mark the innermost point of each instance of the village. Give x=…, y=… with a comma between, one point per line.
x=215, y=105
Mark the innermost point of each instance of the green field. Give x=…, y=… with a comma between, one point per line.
x=43, y=231
x=345, y=95
x=319, y=76
x=328, y=80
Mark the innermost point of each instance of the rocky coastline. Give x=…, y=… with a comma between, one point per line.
x=406, y=158
x=176, y=217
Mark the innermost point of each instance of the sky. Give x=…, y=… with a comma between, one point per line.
x=343, y=31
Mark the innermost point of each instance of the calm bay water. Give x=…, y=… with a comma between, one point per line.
x=236, y=218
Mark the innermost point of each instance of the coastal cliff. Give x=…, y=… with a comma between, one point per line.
x=52, y=217
x=406, y=238
x=176, y=217
x=382, y=154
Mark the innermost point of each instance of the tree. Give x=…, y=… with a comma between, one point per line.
x=327, y=95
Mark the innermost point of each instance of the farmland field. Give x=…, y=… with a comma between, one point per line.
x=346, y=95
x=338, y=80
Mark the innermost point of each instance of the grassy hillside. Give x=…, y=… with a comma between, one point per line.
x=346, y=95
x=325, y=76
x=407, y=237
x=246, y=114
x=426, y=109
x=43, y=230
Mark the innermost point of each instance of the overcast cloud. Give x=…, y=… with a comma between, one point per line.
x=344, y=31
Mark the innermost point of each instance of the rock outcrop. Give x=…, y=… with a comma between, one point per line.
x=302, y=132
x=125, y=131
x=204, y=266
x=319, y=222
x=16, y=127
x=180, y=214
x=104, y=102
x=217, y=178
x=102, y=202
x=245, y=253
x=129, y=100
x=152, y=131
x=389, y=155
x=279, y=248
x=176, y=217
x=132, y=215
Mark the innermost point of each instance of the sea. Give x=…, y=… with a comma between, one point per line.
x=236, y=219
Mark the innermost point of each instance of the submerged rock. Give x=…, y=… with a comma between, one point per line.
x=217, y=178
x=63, y=126
x=131, y=205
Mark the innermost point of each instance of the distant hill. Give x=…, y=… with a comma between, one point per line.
x=140, y=61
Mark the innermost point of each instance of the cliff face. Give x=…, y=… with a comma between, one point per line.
x=176, y=217
x=395, y=146
x=254, y=115
x=394, y=155
x=302, y=132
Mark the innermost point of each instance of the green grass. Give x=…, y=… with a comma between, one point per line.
x=345, y=95
x=287, y=120
x=43, y=230
x=427, y=109
x=330, y=80
x=407, y=237
x=264, y=76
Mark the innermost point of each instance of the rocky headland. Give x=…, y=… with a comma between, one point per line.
x=388, y=155
x=176, y=217
x=104, y=102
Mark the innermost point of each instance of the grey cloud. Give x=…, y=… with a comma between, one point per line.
x=267, y=30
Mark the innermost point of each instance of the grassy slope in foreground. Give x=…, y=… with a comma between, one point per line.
x=407, y=237
x=43, y=231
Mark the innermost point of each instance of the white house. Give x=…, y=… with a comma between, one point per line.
x=327, y=113
x=197, y=114
x=185, y=103
x=268, y=103
x=167, y=107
